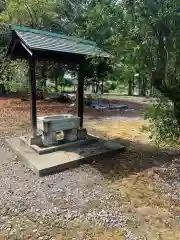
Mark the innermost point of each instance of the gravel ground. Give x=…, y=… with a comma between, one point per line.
x=44, y=208
x=170, y=173
x=38, y=208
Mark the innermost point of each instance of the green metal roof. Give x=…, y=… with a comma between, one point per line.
x=43, y=40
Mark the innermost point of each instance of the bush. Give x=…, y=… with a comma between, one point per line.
x=113, y=86
x=163, y=125
x=109, y=85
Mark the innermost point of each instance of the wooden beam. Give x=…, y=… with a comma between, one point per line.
x=26, y=48
x=32, y=66
x=80, y=94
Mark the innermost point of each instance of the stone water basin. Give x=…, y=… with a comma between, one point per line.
x=57, y=123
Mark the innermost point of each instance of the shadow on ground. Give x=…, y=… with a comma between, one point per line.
x=145, y=180
x=138, y=157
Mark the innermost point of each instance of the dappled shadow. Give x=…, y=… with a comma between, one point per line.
x=137, y=158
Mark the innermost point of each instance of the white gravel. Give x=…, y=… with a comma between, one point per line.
x=36, y=208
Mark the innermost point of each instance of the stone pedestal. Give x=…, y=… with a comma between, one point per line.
x=70, y=135
x=49, y=138
x=82, y=134
x=35, y=140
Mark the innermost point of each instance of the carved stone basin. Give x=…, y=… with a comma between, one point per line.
x=50, y=125
x=57, y=123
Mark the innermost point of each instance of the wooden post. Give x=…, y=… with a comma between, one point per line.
x=32, y=66
x=80, y=94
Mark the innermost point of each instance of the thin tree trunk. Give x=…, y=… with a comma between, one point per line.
x=130, y=87
x=143, y=87
x=56, y=84
x=151, y=90
x=139, y=86
x=7, y=86
x=102, y=86
x=97, y=87
x=44, y=83
x=93, y=88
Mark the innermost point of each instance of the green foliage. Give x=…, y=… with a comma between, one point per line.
x=34, y=13
x=143, y=37
x=110, y=85
x=14, y=76
x=163, y=126
x=113, y=86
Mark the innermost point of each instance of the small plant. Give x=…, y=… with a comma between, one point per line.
x=163, y=124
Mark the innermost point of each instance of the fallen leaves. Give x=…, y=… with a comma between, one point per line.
x=136, y=176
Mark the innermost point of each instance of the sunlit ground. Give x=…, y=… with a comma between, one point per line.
x=136, y=176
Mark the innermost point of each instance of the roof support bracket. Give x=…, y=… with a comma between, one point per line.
x=26, y=48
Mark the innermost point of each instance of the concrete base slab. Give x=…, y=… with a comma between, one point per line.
x=41, y=149
x=61, y=160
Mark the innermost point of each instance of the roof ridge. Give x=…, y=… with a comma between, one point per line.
x=37, y=31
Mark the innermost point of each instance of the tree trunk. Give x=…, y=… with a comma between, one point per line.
x=102, y=86
x=143, y=87
x=93, y=88
x=151, y=89
x=56, y=84
x=2, y=89
x=44, y=83
x=139, y=86
x=74, y=88
x=8, y=85
x=130, y=87
x=97, y=87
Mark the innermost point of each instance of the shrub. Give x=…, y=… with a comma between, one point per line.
x=163, y=125
x=113, y=86
x=109, y=85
